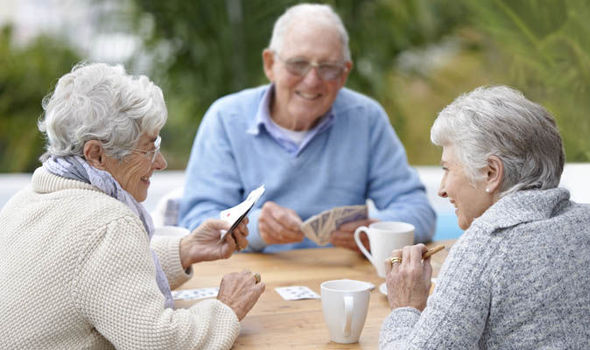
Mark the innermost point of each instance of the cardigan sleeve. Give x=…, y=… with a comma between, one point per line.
x=115, y=289
x=168, y=251
x=456, y=313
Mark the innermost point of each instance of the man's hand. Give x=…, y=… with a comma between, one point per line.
x=278, y=224
x=343, y=236
x=203, y=243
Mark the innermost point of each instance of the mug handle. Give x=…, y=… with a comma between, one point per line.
x=348, y=307
x=357, y=239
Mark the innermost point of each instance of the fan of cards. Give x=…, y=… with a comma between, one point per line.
x=319, y=227
x=236, y=214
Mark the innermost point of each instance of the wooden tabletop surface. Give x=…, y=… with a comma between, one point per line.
x=274, y=323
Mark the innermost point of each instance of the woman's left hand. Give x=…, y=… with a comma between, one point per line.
x=408, y=281
x=203, y=243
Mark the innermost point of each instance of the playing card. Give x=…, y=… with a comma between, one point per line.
x=311, y=227
x=200, y=293
x=297, y=293
x=342, y=215
x=236, y=214
x=318, y=227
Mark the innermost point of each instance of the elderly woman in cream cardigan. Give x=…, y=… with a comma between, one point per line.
x=78, y=268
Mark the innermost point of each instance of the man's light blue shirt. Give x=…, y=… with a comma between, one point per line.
x=351, y=155
x=263, y=119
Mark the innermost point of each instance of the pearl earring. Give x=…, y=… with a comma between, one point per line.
x=487, y=190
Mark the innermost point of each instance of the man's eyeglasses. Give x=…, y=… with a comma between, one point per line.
x=153, y=153
x=300, y=67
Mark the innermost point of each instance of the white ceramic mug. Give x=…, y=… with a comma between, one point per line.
x=345, y=304
x=384, y=236
x=171, y=231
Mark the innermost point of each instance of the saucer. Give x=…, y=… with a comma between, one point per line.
x=383, y=288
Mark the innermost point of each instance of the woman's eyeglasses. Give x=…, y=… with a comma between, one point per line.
x=153, y=154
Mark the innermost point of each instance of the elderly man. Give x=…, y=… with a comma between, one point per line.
x=314, y=144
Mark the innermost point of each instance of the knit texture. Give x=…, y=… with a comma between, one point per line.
x=76, y=168
x=76, y=272
x=518, y=278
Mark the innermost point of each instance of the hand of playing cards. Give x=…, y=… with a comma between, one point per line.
x=319, y=227
x=236, y=214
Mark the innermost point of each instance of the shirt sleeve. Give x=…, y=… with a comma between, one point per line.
x=394, y=186
x=456, y=313
x=213, y=182
x=168, y=251
x=116, y=290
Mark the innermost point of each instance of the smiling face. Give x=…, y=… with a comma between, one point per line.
x=299, y=101
x=134, y=171
x=470, y=200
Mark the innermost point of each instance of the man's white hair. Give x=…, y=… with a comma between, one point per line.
x=316, y=13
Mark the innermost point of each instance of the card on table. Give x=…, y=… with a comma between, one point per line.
x=297, y=293
x=200, y=293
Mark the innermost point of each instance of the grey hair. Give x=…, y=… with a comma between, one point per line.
x=100, y=102
x=311, y=12
x=500, y=121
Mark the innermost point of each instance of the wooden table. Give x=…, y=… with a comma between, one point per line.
x=274, y=323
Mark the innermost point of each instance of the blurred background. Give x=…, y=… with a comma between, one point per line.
x=413, y=56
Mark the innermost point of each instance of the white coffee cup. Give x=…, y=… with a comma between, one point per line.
x=171, y=231
x=345, y=304
x=384, y=236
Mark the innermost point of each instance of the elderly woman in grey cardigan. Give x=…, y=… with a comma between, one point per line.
x=78, y=267
x=518, y=277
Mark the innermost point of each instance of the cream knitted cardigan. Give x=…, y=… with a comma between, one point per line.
x=76, y=272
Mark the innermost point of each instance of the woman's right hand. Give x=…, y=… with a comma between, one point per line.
x=408, y=282
x=240, y=291
x=203, y=243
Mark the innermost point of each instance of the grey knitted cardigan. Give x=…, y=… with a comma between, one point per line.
x=518, y=278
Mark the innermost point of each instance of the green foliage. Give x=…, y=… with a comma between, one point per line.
x=380, y=31
x=200, y=50
x=543, y=47
x=212, y=48
x=215, y=49
x=25, y=78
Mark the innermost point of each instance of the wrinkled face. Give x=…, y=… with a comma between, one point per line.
x=134, y=171
x=299, y=101
x=470, y=200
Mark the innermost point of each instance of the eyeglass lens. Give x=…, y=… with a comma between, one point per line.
x=157, y=148
x=326, y=71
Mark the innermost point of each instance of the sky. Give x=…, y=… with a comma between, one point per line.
x=76, y=21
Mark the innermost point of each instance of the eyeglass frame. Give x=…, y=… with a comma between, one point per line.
x=156, y=151
x=310, y=65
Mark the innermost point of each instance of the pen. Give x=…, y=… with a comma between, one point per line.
x=432, y=251
x=426, y=255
